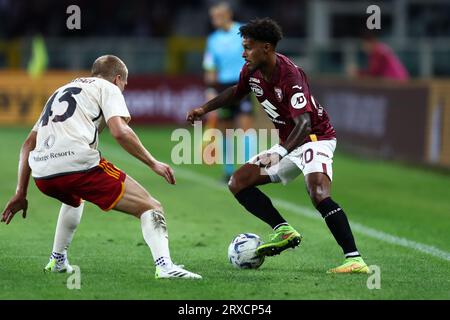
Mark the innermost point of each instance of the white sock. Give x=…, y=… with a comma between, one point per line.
x=155, y=234
x=68, y=220
x=280, y=225
x=352, y=254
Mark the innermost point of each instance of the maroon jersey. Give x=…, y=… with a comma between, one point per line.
x=285, y=97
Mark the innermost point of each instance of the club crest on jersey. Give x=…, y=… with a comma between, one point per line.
x=298, y=100
x=257, y=90
x=278, y=94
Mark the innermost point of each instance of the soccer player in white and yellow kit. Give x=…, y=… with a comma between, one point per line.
x=61, y=154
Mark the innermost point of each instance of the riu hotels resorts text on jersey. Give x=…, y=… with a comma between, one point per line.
x=54, y=155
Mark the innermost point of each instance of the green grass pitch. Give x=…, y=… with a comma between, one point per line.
x=400, y=215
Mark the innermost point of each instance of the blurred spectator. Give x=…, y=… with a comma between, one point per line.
x=382, y=61
x=39, y=57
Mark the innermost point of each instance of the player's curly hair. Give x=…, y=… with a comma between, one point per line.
x=265, y=29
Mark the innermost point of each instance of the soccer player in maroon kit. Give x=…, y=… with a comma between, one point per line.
x=307, y=143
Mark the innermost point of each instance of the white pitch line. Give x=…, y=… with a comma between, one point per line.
x=302, y=210
x=369, y=232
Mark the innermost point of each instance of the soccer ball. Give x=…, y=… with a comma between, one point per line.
x=241, y=251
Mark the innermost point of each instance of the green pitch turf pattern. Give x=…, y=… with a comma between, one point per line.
x=406, y=208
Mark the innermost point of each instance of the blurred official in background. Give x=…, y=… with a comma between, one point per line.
x=222, y=64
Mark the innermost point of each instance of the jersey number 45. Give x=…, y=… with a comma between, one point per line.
x=66, y=97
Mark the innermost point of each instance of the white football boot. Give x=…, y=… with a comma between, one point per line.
x=58, y=263
x=176, y=272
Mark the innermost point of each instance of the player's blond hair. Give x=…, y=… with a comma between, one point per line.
x=108, y=67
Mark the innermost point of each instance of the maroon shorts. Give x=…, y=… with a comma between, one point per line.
x=102, y=185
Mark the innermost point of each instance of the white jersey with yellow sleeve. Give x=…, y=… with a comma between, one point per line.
x=68, y=128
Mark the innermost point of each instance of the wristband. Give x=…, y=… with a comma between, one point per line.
x=280, y=150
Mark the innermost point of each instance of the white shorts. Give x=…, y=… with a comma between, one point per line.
x=311, y=157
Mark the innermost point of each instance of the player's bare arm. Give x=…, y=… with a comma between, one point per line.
x=226, y=97
x=301, y=130
x=128, y=139
x=19, y=201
